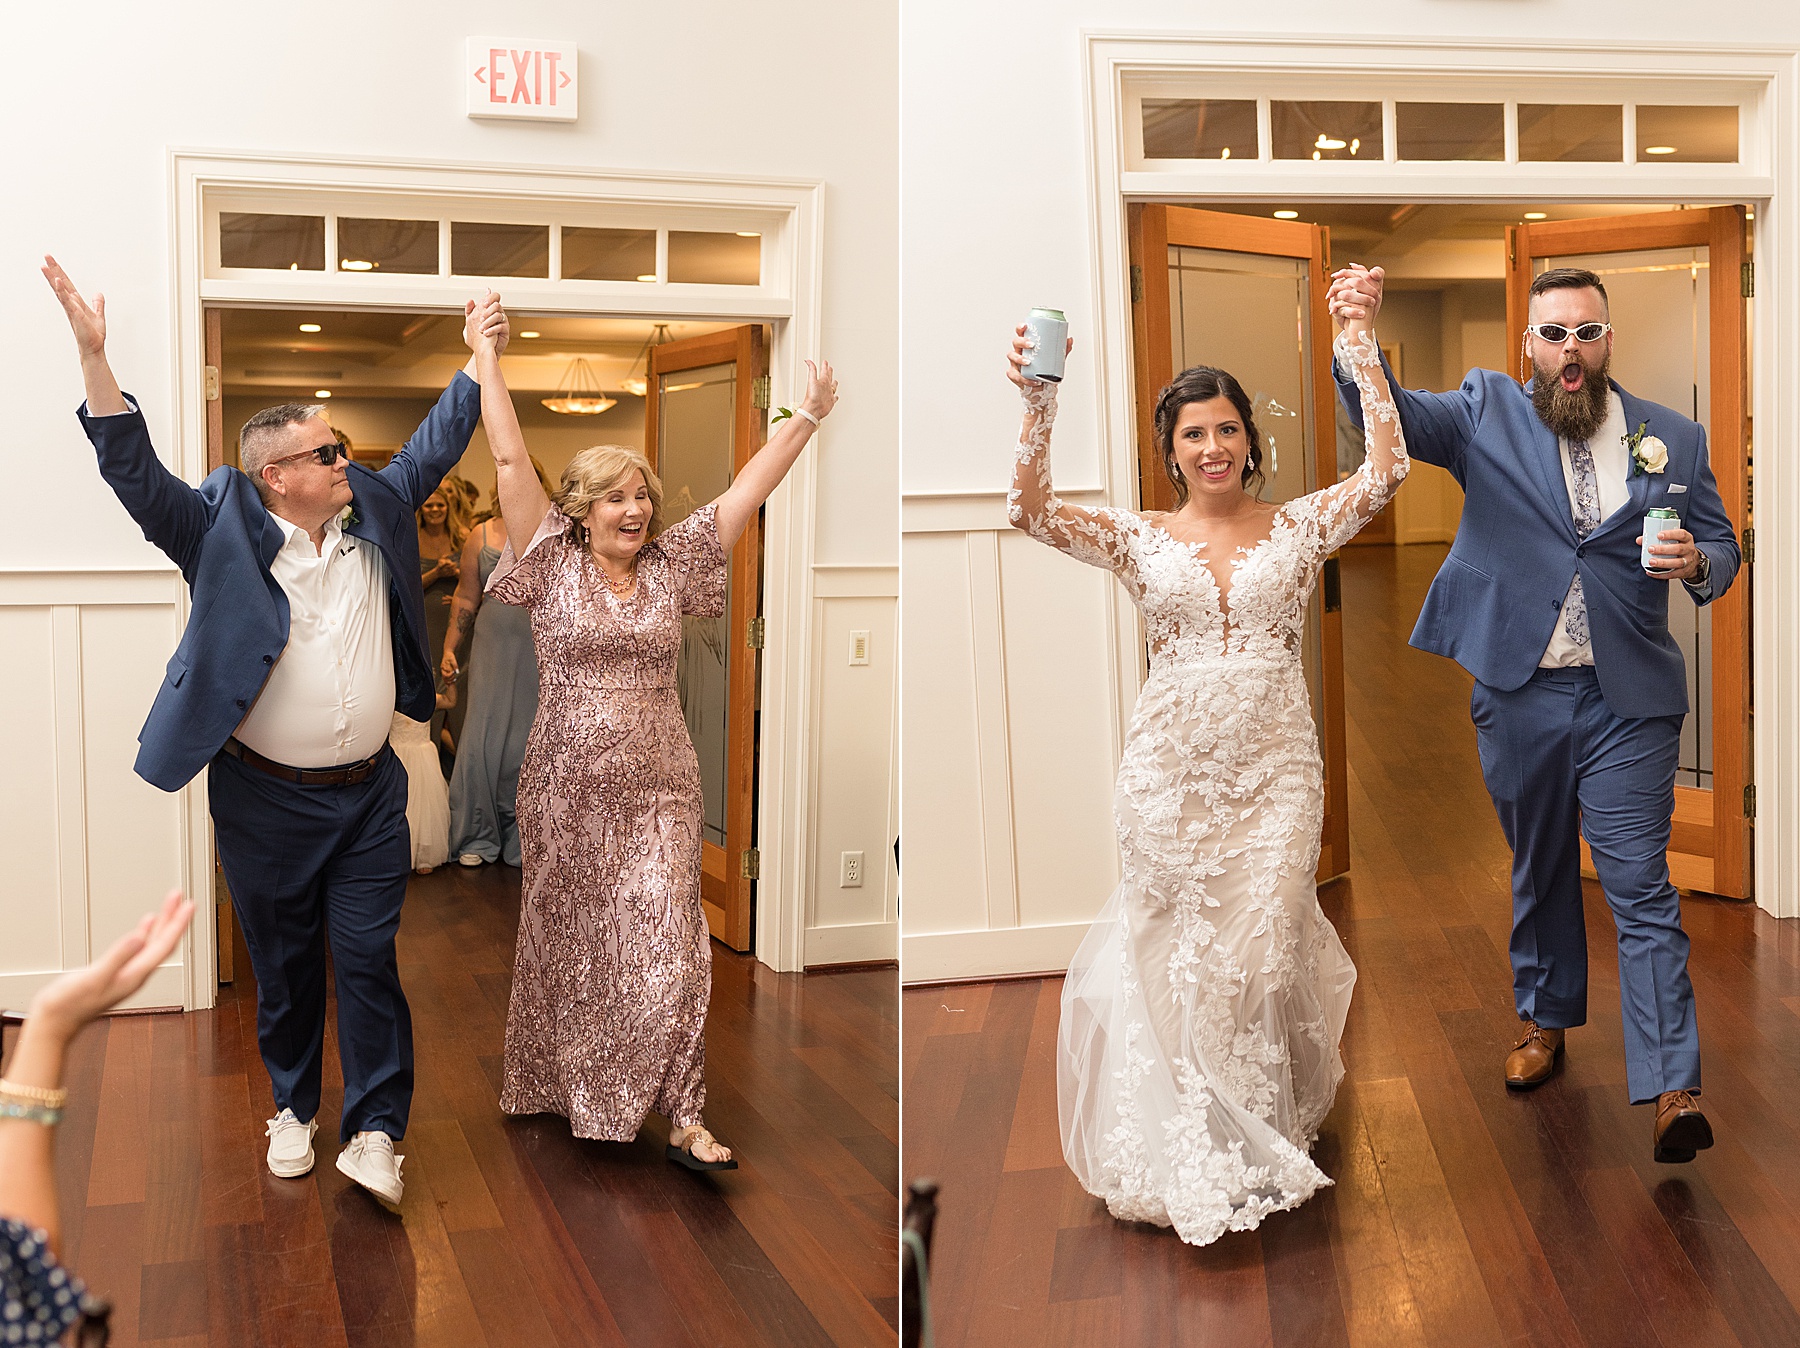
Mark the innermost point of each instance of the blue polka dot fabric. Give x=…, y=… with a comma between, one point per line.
x=38, y=1300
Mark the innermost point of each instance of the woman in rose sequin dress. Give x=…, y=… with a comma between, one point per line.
x=613, y=970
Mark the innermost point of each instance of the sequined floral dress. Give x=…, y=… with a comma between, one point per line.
x=613, y=969
x=1198, y=1048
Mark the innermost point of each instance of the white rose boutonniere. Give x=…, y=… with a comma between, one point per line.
x=1648, y=454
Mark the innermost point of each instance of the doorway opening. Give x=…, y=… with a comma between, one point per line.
x=690, y=393
x=1679, y=281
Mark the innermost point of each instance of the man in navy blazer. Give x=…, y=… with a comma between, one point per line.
x=1579, y=690
x=306, y=633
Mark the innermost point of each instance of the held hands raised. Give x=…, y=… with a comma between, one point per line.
x=1355, y=297
x=88, y=322
x=1020, y=356
x=485, y=324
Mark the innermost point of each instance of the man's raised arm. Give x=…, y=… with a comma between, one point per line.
x=170, y=512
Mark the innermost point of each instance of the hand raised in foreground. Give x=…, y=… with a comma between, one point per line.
x=88, y=322
x=80, y=995
x=1020, y=356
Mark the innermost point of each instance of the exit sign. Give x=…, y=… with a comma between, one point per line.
x=510, y=78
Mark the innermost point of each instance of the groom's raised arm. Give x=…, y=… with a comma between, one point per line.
x=1437, y=426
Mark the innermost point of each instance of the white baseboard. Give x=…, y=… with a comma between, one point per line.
x=859, y=943
x=164, y=990
x=951, y=955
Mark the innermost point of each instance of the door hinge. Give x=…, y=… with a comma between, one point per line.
x=750, y=864
x=1748, y=278
x=1137, y=284
x=755, y=632
x=212, y=383
x=1749, y=547
x=1750, y=801
x=759, y=392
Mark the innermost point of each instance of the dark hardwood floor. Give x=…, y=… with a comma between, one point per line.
x=511, y=1231
x=1462, y=1215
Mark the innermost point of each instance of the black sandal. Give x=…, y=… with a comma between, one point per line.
x=684, y=1155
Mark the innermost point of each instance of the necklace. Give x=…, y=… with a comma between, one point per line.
x=618, y=587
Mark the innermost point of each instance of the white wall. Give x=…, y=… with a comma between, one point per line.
x=1012, y=718
x=92, y=611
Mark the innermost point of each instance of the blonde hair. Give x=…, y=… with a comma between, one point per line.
x=597, y=470
x=456, y=514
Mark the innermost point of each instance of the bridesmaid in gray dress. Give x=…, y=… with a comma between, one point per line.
x=501, y=693
x=613, y=972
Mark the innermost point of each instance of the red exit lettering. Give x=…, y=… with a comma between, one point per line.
x=535, y=76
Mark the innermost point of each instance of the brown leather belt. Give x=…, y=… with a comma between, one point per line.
x=349, y=774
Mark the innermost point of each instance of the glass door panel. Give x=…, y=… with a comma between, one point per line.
x=697, y=415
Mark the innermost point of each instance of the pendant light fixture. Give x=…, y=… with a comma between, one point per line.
x=581, y=395
x=639, y=385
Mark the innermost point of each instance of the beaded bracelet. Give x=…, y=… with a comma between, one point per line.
x=12, y=1108
x=53, y=1097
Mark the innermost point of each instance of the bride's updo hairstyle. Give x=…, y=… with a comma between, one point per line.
x=1201, y=384
x=593, y=473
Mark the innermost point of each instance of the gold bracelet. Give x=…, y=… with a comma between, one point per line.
x=37, y=1095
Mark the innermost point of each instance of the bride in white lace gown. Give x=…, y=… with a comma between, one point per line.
x=1198, y=1050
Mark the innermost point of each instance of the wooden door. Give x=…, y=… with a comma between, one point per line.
x=1677, y=284
x=217, y=454
x=704, y=417
x=1248, y=295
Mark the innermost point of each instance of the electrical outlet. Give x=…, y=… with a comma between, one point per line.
x=859, y=646
x=850, y=870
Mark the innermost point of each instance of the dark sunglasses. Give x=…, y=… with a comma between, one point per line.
x=1556, y=332
x=328, y=454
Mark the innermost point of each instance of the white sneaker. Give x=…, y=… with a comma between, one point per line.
x=369, y=1160
x=290, y=1145
x=471, y=859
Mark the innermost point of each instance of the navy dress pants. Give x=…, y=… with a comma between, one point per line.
x=306, y=864
x=1556, y=760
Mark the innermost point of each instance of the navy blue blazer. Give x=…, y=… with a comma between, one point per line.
x=223, y=539
x=1498, y=597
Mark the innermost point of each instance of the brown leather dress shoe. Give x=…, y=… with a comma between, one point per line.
x=1533, y=1058
x=1681, y=1129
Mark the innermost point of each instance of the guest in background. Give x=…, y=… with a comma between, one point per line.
x=39, y=1302
x=442, y=527
x=502, y=693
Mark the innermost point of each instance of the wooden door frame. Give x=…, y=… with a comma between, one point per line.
x=1711, y=823
x=727, y=883
x=1152, y=229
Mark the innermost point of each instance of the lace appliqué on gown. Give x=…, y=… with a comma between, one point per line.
x=1201, y=1017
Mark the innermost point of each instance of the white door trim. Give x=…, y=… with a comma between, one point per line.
x=1767, y=177
x=791, y=302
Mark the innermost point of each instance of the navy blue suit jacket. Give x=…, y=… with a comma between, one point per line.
x=223, y=539
x=1498, y=597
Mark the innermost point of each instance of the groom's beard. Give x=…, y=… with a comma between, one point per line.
x=1576, y=415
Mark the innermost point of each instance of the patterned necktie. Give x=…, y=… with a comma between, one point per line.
x=1587, y=519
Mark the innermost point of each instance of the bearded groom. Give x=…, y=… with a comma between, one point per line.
x=1579, y=689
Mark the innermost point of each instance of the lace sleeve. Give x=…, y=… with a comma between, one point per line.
x=1339, y=512
x=1097, y=537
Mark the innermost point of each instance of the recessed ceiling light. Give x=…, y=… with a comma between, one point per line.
x=1287, y=215
x=321, y=393
x=648, y=276
x=749, y=234
x=1225, y=153
x=1537, y=215
x=1659, y=149
x=1325, y=142
x=309, y=327
x=356, y=264
x=531, y=334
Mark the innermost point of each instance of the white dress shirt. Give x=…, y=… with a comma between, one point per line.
x=1612, y=474
x=330, y=697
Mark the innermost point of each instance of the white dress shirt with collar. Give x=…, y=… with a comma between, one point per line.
x=330, y=697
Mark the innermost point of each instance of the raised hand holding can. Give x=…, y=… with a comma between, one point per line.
x=1049, y=334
